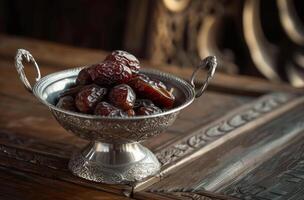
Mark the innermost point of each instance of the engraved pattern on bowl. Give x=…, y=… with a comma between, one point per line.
x=129, y=172
x=114, y=154
x=112, y=129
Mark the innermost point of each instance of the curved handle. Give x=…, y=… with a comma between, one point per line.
x=210, y=63
x=22, y=53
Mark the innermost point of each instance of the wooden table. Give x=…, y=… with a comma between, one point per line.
x=239, y=140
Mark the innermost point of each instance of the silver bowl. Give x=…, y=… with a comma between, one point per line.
x=114, y=154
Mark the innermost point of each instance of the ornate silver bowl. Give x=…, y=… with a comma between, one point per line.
x=114, y=154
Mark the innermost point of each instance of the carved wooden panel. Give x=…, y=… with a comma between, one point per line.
x=209, y=134
x=248, y=36
x=252, y=155
x=184, y=31
x=281, y=177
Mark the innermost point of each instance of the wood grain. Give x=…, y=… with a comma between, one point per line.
x=177, y=196
x=228, y=122
x=209, y=137
x=265, y=150
x=33, y=137
x=32, y=141
x=19, y=185
x=50, y=53
x=281, y=177
x=16, y=185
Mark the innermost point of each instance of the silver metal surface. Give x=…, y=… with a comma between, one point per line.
x=114, y=163
x=114, y=155
x=210, y=63
x=22, y=53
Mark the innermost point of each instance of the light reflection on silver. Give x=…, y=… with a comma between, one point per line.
x=114, y=154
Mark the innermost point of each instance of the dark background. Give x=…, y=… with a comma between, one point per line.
x=106, y=25
x=85, y=23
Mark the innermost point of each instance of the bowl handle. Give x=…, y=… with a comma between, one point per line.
x=210, y=63
x=22, y=53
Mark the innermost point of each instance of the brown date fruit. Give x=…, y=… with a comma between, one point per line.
x=108, y=73
x=153, y=81
x=159, y=84
x=148, y=110
x=88, y=97
x=83, y=77
x=66, y=103
x=150, y=90
x=142, y=76
x=122, y=96
x=105, y=109
x=126, y=58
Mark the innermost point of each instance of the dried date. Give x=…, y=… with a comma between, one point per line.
x=83, y=77
x=126, y=58
x=122, y=96
x=88, y=97
x=146, y=88
x=109, y=73
x=108, y=110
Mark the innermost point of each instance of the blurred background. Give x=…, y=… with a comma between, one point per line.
x=251, y=37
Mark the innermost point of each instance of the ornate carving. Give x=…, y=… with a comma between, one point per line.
x=183, y=32
x=94, y=170
x=22, y=53
x=190, y=194
x=112, y=130
x=178, y=27
x=115, y=131
x=269, y=56
x=207, y=135
x=280, y=178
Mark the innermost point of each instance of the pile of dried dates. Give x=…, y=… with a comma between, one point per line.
x=115, y=87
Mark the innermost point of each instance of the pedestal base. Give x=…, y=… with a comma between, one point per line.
x=114, y=163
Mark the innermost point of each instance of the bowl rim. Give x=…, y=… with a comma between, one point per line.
x=187, y=85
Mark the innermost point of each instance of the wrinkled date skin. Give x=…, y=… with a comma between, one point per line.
x=126, y=58
x=122, y=96
x=159, y=84
x=149, y=89
x=67, y=103
x=110, y=88
x=88, y=97
x=84, y=77
x=108, y=110
x=109, y=73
